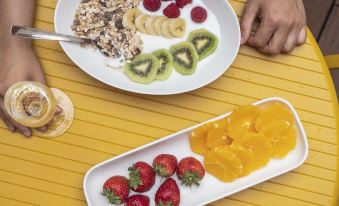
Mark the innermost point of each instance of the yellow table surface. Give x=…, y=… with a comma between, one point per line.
x=108, y=122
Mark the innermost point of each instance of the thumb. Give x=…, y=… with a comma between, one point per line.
x=250, y=14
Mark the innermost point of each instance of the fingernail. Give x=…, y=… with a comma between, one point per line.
x=12, y=129
x=27, y=133
x=58, y=110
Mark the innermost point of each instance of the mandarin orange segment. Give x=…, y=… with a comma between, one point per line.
x=223, y=163
x=198, y=141
x=282, y=135
x=246, y=158
x=242, y=120
x=274, y=112
x=258, y=145
x=217, y=137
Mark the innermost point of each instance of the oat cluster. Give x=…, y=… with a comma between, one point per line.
x=101, y=20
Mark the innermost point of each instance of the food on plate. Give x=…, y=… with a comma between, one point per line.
x=165, y=165
x=137, y=200
x=116, y=189
x=152, y=5
x=182, y=3
x=223, y=163
x=154, y=25
x=158, y=25
x=165, y=30
x=103, y=22
x=258, y=145
x=282, y=136
x=129, y=18
x=149, y=25
x=199, y=14
x=274, y=113
x=177, y=27
x=244, y=141
x=242, y=120
x=172, y=11
x=141, y=177
x=204, y=42
x=190, y=171
x=140, y=22
x=165, y=67
x=168, y=193
x=185, y=57
x=142, y=69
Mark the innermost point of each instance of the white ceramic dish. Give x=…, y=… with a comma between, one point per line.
x=211, y=189
x=221, y=21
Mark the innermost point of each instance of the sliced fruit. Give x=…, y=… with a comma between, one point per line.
x=142, y=69
x=246, y=158
x=165, y=67
x=223, y=163
x=149, y=25
x=258, y=145
x=140, y=23
x=128, y=20
x=198, y=139
x=177, y=27
x=204, y=42
x=185, y=58
x=158, y=24
x=242, y=120
x=272, y=113
x=282, y=135
x=165, y=29
x=216, y=137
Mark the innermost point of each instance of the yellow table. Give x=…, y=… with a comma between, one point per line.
x=109, y=122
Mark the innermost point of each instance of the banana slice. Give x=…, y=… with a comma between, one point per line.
x=158, y=24
x=165, y=29
x=177, y=27
x=128, y=20
x=140, y=23
x=149, y=25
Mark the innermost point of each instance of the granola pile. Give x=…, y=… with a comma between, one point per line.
x=101, y=20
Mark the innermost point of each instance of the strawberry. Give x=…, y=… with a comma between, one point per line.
x=141, y=177
x=168, y=194
x=116, y=189
x=165, y=165
x=172, y=11
x=137, y=200
x=182, y=3
x=152, y=5
x=198, y=14
x=190, y=171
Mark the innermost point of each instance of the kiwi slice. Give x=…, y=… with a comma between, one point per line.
x=165, y=60
x=185, y=57
x=142, y=69
x=204, y=42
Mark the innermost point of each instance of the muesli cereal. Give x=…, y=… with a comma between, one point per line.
x=101, y=20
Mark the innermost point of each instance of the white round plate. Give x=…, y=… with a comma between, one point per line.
x=221, y=21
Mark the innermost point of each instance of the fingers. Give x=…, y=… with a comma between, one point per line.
x=262, y=36
x=24, y=130
x=302, y=36
x=9, y=125
x=291, y=41
x=277, y=42
x=58, y=110
x=250, y=14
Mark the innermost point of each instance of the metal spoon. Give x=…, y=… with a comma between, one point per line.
x=32, y=33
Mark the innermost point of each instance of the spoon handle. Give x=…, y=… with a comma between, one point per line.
x=32, y=33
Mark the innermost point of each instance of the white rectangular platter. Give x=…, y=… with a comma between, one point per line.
x=211, y=189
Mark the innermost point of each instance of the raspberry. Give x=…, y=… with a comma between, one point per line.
x=172, y=11
x=182, y=3
x=198, y=14
x=152, y=5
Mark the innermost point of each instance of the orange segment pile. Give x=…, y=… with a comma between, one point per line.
x=245, y=141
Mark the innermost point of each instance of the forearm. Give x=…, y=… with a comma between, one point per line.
x=14, y=12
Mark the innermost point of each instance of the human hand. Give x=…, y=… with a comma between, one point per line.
x=282, y=25
x=18, y=62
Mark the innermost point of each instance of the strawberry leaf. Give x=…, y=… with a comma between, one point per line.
x=134, y=178
x=190, y=178
x=112, y=198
